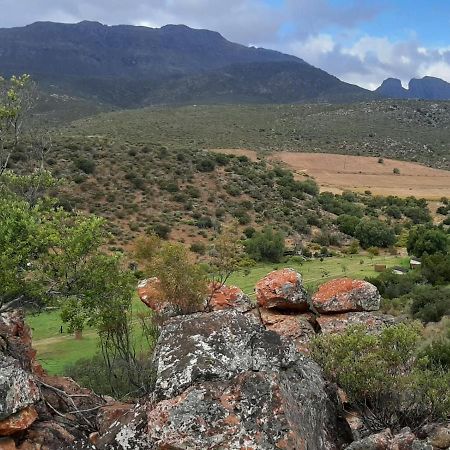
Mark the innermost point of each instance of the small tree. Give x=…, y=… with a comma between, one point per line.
x=183, y=284
x=267, y=245
x=426, y=239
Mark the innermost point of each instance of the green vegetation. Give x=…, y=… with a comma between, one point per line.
x=384, y=376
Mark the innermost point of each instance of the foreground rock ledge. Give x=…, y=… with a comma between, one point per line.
x=225, y=382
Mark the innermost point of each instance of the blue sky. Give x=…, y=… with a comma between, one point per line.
x=360, y=41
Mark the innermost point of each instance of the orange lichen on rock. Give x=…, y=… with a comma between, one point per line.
x=222, y=297
x=346, y=295
x=282, y=289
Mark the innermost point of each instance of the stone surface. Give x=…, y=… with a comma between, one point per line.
x=17, y=387
x=16, y=336
x=378, y=441
x=228, y=297
x=110, y=413
x=346, y=295
x=225, y=382
x=18, y=422
x=294, y=328
x=149, y=292
x=7, y=444
x=282, y=289
x=215, y=345
x=338, y=323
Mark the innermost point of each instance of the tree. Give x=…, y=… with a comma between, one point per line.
x=17, y=98
x=183, y=284
x=374, y=233
x=430, y=240
x=266, y=245
x=436, y=268
x=226, y=256
x=347, y=224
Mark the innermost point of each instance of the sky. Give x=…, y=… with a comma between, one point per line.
x=360, y=41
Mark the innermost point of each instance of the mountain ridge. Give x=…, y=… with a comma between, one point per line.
x=125, y=65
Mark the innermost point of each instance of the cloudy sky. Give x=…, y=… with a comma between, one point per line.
x=360, y=41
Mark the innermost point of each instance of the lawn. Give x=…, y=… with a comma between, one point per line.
x=56, y=350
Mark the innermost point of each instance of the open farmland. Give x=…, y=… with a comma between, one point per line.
x=338, y=173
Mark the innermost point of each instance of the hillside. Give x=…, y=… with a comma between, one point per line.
x=406, y=130
x=133, y=66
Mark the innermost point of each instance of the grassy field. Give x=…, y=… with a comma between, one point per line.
x=56, y=351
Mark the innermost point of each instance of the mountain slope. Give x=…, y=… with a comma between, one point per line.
x=131, y=66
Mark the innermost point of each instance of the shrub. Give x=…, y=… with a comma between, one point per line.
x=428, y=240
x=86, y=165
x=206, y=165
x=436, y=268
x=430, y=304
x=374, y=233
x=198, y=247
x=267, y=245
x=161, y=229
x=396, y=171
x=383, y=376
x=347, y=224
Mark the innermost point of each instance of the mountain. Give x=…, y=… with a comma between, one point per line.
x=426, y=88
x=392, y=88
x=134, y=66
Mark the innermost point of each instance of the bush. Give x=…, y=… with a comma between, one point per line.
x=437, y=354
x=206, y=165
x=430, y=304
x=267, y=245
x=347, y=224
x=383, y=376
x=162, y=230
x=374, y=233
x=112, y=380
x=436, y=268
x=392, y=286
x=86, y=165
x=198, y=247
x=428, y=240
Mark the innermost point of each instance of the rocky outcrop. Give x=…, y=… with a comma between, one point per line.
x=222, y=297
x=282, y=289
x=38, y=411
x=346, y=295
x=223, y=381
x=337, y=323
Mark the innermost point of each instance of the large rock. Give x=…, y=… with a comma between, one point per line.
x=225, y=382
x=149, y=291
x=219, y=345
x=337, y=323
x=17, y=387
x=296, y=328
x=282, y=289
x=18, y=422
x=228, y=297
x=346, y=295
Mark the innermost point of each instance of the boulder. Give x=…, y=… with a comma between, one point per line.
x=149, y=291
x=215, y=345
x=338, y=323
x=223, y=381
x=18, y=422
x=282, y=289
x=228, y=297
x=378, y=441
x=17, y=387
x=296, y=328
x=346, y=295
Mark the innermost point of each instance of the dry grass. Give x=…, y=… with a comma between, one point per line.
x=337, y=173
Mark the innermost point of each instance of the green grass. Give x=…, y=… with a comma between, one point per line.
x=56, y=351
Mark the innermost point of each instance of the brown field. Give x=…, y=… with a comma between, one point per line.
x=337, y=173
